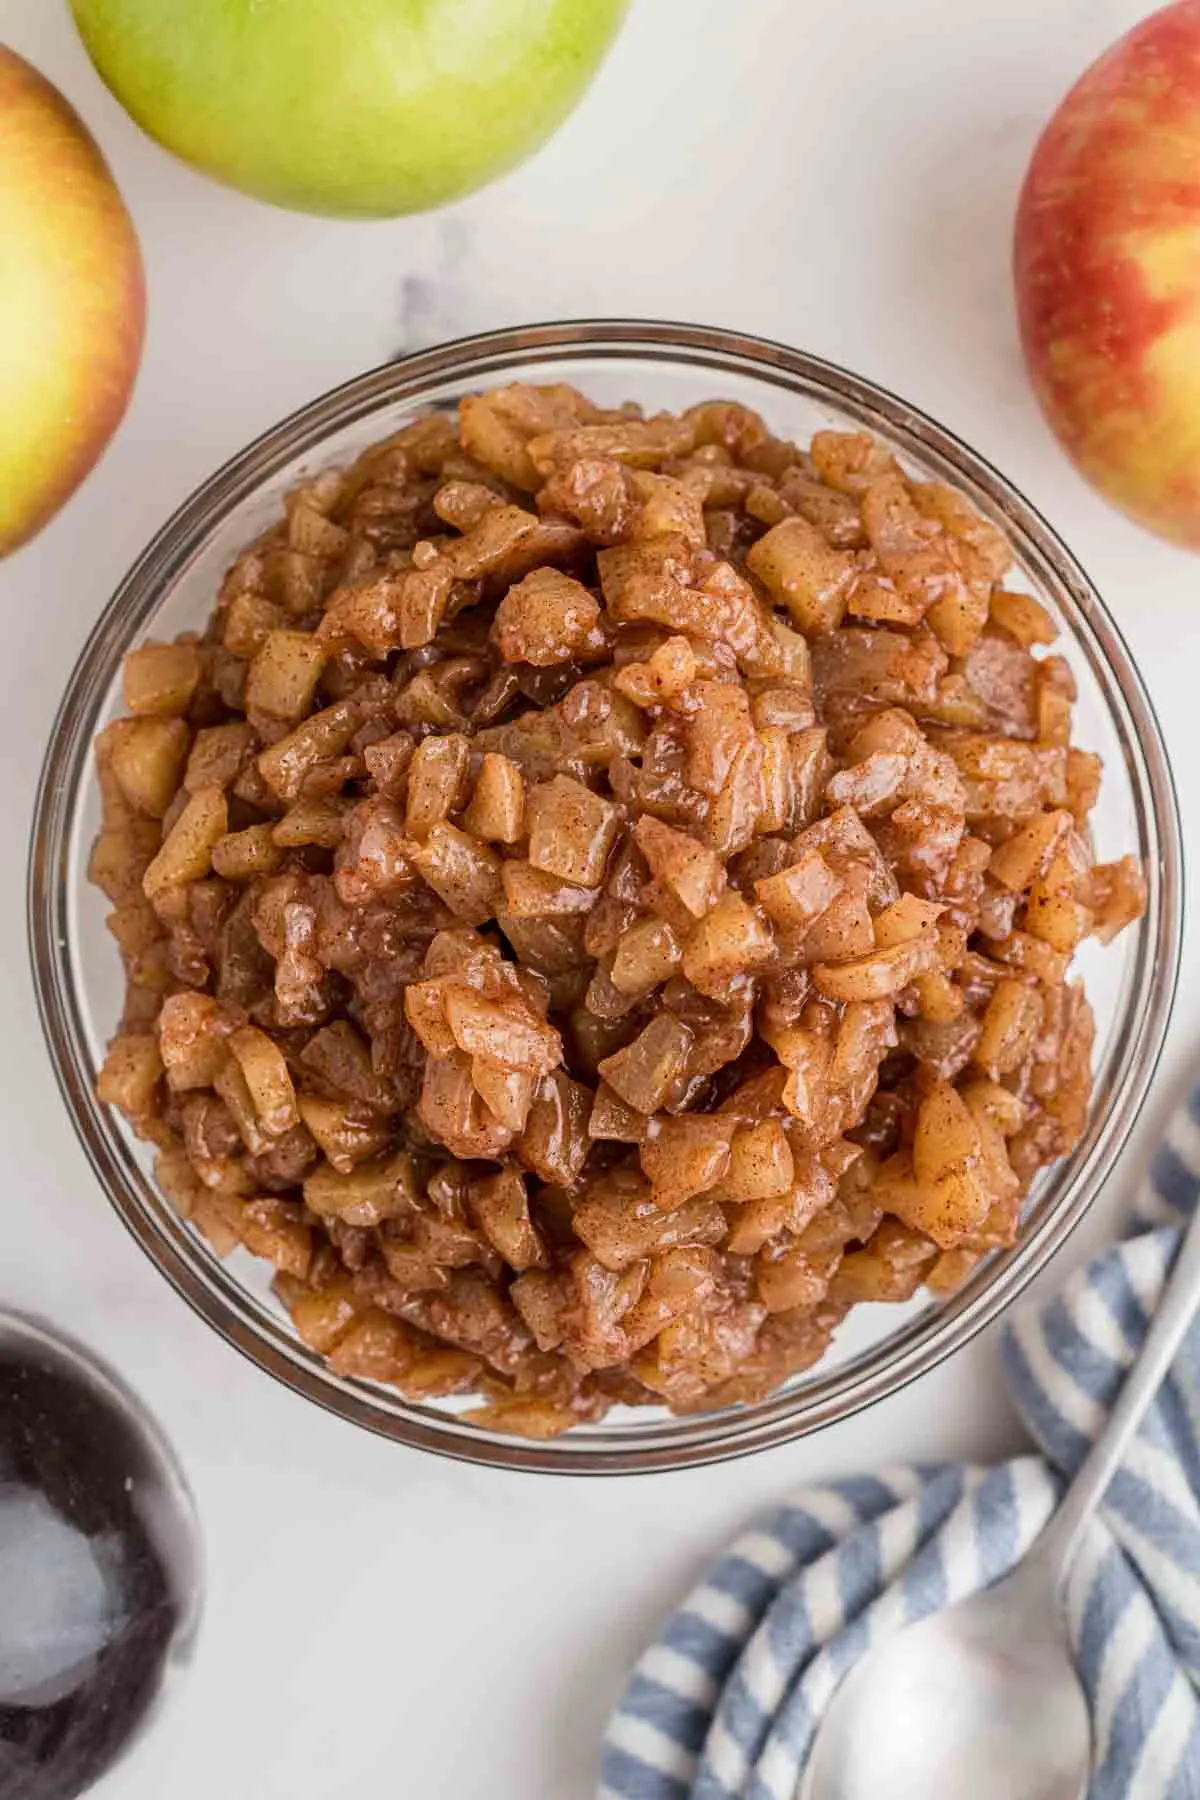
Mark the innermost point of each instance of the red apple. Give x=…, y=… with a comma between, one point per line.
x=72, y=301
x=1107, y=268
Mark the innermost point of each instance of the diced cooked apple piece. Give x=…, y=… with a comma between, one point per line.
x=684, y=1156
x=377, y=1347
x=324, y=1316
x=1056, y=906
x=1119, y=896
x=218, y=755
x=186, y=853
x=1033, y=956
x=283, y=677
x=193, y=1038
x=849, y=461
x=317, y=739
x=647, y=954
x=463, y=503
x=613, y=1119
x=663, y=678
x=547, y=618
x=161, y=678
x=346, y=1131
x=507, y=1093
x=321, y=822
x=1055, y=694
x=1057, y=918
x=435, y=1373
x=761, y=1164
x=531, y=893
x=800, y=893
x=679, y=1282
x=495, y=441
x=147, y=758
x=946, y=1137
x=554, y=1142
x=233, y=1088
x=275, y=1230
x=461, y=871
x=527, y=1416
x=950, y=1270
x=691, y=874
x=424, y=1008
x=806, y=1054
x=890, y=1267
x=944, y=1211
x=939, y=999
x=601, y=1300
x=622, y=1228
x=245, y=855
x=453, y=1112
x=249, y=617
x=643, y=1073
x=540, y=1297
x=880, y=973
x=500, y=1207
x=1009, y=1026
x=497, y=806
x=959, y=613
x=436, y=776
x=130, y=1074
x=1024, y=857
x=788, y=1277
x=367, y=1195
x=571, y=830
x=906, y=920
x=844, y=930
x=1022, y=617
x=733, y=937
x=504, y=1031
x=266, y=1073
x=798, y=567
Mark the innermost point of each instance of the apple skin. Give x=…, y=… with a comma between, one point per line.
x=72, y=301
x=354, y=108
x=1107, y=269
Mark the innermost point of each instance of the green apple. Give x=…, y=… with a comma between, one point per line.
x=362, y=108
x=72, y=301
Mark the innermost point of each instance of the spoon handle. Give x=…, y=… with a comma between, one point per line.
x=1056, y=1548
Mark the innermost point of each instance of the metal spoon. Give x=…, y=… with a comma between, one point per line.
x=100, y=1565
x=983, y=1698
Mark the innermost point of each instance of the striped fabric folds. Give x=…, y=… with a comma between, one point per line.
x=725, y=1705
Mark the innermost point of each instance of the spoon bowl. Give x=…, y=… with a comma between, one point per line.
x=100, y=1565
x=980, y=1700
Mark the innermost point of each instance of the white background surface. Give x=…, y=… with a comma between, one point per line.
x=838, y=176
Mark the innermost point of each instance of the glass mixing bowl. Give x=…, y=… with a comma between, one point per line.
x=79, y=978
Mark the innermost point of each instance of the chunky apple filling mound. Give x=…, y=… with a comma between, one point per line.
x=598, y=901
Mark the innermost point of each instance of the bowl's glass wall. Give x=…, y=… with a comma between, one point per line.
x=172, y=588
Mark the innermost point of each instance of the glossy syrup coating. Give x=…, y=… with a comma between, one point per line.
x=598, y=902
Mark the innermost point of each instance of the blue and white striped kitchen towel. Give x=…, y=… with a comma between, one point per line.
x=725, y=1704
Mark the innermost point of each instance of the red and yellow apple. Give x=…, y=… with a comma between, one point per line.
x=1107, y=266
x=72, y=301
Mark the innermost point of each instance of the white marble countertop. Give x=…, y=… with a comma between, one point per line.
x=841, y=177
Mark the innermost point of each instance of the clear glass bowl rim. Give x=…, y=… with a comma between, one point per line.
x=704, y=1438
